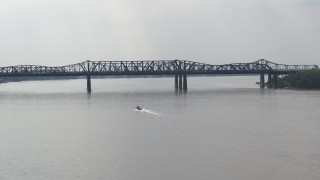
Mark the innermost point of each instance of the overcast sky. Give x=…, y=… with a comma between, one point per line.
x=61, y=32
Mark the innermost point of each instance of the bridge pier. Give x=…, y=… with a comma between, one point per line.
x=275, y=81
x=88, y=77
x=176, y=81
x=272, y=80
x=185, y=85
x=180, y=81
x=88, y=83
x=269, y=81
x=262, y=84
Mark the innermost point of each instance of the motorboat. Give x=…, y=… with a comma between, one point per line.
x=138, y=108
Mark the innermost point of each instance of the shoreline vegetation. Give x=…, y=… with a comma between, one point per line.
x=308, y=79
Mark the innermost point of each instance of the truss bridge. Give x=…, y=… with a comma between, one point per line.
x=177, y=68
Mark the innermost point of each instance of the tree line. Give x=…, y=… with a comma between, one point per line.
x=308, y=79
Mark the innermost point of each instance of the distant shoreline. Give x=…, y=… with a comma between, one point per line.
x=41, y=78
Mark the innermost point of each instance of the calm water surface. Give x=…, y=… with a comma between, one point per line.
x=224, y=128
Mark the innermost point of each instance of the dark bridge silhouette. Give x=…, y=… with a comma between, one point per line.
x=179, y=68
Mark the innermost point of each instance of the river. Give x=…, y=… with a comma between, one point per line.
x=224, y=127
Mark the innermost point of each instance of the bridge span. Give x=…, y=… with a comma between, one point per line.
x=177, y=68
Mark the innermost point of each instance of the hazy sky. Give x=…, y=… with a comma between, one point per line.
x=60, y=32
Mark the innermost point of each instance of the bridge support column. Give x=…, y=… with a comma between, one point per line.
x=88, y=83
x=180, y=81
x=262, y=85
x=176, y=81
x=185, y=85
x=275, y=81
x=269, y=81
x=88, y=77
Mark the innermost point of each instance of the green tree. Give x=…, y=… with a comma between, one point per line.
x=308, y=79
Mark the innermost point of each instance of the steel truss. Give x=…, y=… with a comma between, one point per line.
x=152, y=67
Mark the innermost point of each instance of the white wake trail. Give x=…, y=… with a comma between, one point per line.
x=147, y=111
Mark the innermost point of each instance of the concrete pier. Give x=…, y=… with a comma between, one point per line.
x=88, y=83
x=88, y=77
x=269, y=80
x=176, y=81
x=262, y=84
x=185, y=85
x=180, y=81
x=275, y=81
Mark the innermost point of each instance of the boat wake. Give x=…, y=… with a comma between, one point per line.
x=147, y=111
